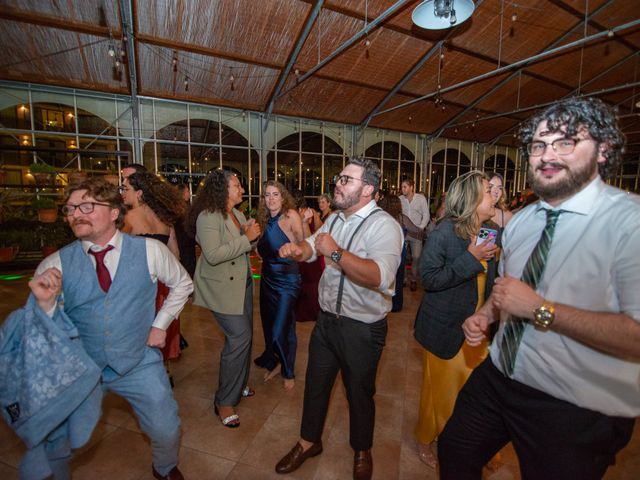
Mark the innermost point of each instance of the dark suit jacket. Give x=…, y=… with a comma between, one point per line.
x=448, y=272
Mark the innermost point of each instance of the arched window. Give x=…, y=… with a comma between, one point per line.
x=446, y=165
x=396, y=162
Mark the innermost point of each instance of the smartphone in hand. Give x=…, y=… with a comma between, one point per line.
x=488, y=234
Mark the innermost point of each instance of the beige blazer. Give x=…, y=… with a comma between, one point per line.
x=220, y=278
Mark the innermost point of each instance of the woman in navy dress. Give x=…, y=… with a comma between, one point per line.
x=280, y=281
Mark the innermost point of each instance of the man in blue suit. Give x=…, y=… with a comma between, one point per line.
x=105, y=282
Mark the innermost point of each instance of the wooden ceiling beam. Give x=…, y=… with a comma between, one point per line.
x=172, y=45
x=58, y=23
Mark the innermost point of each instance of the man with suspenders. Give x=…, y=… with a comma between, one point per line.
x=362, y=245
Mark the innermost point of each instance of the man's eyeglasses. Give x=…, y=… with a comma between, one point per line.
x=344, y=179
x=86, y=207
x=562, y=146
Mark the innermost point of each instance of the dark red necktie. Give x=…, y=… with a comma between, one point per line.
x=104, y=279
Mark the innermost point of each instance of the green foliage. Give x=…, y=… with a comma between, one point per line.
x=41, y=168
x=40, y=203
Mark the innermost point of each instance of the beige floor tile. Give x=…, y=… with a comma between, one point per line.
x=196, y=465
x=271, y=419
x=122, y=454
x=8, y=472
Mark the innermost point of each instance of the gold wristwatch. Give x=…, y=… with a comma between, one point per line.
x=544, y=316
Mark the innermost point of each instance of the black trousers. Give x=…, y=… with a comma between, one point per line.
x=354, y=348
x=553, y=439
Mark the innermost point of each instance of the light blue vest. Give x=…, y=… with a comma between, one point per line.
x=113, y=326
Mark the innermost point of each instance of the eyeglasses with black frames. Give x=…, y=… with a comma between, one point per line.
x=562, y=146
x=85, y=207
x=344, y=179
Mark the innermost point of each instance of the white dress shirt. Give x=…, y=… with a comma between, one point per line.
x=593, y=264
x=417, y=210
x=379, y=239
x=162, y=264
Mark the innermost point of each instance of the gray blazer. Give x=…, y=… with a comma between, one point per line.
x=448, y=272
x=220, y=279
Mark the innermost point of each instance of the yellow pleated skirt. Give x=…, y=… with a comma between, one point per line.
x=442, y=380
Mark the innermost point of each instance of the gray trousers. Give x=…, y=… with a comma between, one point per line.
x=235, y=358
x=415, y=246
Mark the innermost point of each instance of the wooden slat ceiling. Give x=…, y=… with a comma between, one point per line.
x=212, y=41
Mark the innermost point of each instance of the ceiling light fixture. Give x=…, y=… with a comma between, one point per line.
x=441, y=14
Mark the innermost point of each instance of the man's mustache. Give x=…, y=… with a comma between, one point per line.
x=550, y=164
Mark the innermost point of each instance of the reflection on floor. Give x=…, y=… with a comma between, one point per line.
x=270, y=419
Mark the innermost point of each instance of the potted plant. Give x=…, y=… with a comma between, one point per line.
x=46, y=208
x=9, y=245
x=42, y=172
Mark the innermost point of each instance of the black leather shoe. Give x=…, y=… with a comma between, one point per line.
x=362, y=465
x=174, y=474
x=296, y=457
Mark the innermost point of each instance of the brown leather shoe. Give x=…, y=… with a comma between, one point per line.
x=362, y=465
x=174, y=474
x=296, y=457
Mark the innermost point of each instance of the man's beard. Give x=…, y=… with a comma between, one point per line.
x=347, y=201
x=574, y=181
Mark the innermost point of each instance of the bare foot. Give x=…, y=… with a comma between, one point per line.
x=270, y=374
x=425, y=453
x=289, y=383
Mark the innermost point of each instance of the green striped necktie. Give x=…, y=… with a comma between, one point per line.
x=514, y=328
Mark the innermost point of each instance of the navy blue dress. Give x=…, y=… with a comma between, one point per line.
x=279, y=289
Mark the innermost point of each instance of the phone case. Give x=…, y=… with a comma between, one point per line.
x=485, y=233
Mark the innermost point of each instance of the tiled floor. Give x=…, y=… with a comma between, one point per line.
x=270, y=419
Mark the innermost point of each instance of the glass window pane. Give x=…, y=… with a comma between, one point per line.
x=390, y=176
x=287, y=171
x=237, y=160
x=332, y=166
x=311, y=142
x=205, y=131
x=311, y=175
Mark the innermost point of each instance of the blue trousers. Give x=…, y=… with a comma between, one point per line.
x=146, y=387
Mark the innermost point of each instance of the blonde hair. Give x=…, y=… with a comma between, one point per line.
x=463, y=198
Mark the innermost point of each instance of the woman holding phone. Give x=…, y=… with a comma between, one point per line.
x=457, y=271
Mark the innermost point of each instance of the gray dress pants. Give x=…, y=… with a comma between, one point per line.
x=235, y=358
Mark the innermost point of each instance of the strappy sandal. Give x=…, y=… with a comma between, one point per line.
x=232, y=421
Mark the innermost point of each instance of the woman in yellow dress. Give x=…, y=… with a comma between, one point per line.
x=457, y=273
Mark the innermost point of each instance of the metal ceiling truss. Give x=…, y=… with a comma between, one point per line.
x=293, y=57
x=553, y=44
x=348, y=43
x=516, y=65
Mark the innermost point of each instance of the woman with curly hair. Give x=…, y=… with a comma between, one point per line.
x=280, y=284
x=223, y=282
x=154, y=207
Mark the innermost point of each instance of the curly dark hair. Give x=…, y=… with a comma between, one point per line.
x=574, y=113
x=288, y=203
x=103, y=191
x=163, y=198
x=213, y=196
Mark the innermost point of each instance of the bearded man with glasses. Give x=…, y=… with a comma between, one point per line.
x=362, y=245
x=105, y=284
x=561, y=382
